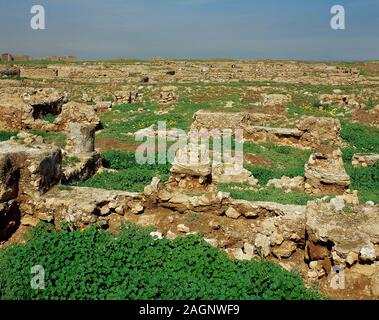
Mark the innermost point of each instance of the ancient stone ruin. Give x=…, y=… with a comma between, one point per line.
x=325, y=172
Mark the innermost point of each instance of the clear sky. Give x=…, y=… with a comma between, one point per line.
x=247, y=29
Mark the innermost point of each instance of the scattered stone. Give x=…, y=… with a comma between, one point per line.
x=285, y=250
x=156, y=235
x=214, y=225
x=232, y=213
x=170, y=235
x=212, y=242
x=367, y=254
x=183, y=228
x=351, y=258
x=364, y=160
x=262, y=245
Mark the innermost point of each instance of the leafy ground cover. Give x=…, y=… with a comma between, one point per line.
x=96, y=264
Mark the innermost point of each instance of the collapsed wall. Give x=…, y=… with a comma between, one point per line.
x=25, y=109
x=310, y=132
x=325, y=172
x=26, y=172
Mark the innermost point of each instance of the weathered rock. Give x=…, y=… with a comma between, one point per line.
x=232, y=173
x=288, y=184
x=232, y=213
x=317, y=130
x=364, y=160
x=183, y=228
x=29, y=221
x=262, y=245
x=325, y=173
x=329, y=232
x=83, y=206
x=80, y=138
x=285, y=250
x=24, y=108
x=28, y=170
x=74, y=112
x=191, y=169
x=103, y=106
x=220, y=120
x=274, y=135
x=86, y=166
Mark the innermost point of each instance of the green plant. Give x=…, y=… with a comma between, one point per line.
x=130, y=176
x=49, y=117
x=286, y=161
x=70, y=161
x=96, y=264
x=57, y=138
x=370, y=104
x=5, y=135
x=362, y=138
x=365, y=180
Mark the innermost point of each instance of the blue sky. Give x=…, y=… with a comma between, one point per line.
x=246, y=29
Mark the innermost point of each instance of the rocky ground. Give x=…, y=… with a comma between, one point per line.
x=307, y=196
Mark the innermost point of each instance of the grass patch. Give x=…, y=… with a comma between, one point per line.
x=70, y=161
x=57, y=138
x=286, y=161
x=6, y=135
x=360, y=137
x=366, y=181
x=130, y=176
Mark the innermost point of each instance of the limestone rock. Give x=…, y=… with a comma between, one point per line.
x=262, y=245
x=183, y=228
x=288, y=184
x=80, y=138
x=285, y=250
x=364, y=160
x=232, y=213
x=77, y=112
x=317, y=130
x=325, y=172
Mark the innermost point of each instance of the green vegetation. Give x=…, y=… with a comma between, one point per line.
x=6, y=135
x=49, y=117
x=95, y=264
x=286, y=161
x=130, y=175
x=57, y=138
x=70, y=161
x=360, y=137
x=366, y=181
x=270, y=194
